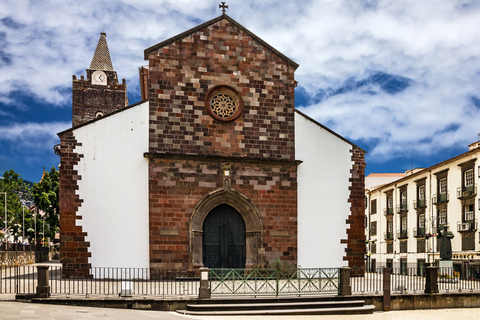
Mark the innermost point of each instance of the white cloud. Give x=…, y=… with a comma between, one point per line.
x=436, y=44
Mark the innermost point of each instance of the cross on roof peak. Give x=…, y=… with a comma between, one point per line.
x=223, y=6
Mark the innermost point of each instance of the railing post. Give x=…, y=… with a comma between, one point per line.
x=386, y=288
x=43, y=286
x=431, y=280
x=204, y=292
x=344, y=288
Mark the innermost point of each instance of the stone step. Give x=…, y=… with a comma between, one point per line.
x=366, y=309
x=275, y=305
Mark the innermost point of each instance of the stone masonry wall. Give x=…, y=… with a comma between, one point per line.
x=180, y=75
x=73, y=247
x=177, y=185
x=355, y=250
x=88, y=99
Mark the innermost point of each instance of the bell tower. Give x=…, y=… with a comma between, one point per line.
x=100, y=93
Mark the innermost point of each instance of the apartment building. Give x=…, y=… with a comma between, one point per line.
x=404, y=217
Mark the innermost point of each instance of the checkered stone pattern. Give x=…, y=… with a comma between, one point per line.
x=180, y=75
x=88, y=99
x=74, y=251
x=356, y=248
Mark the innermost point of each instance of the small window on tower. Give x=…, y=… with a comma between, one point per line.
x=98, y=114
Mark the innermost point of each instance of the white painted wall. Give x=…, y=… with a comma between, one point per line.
x=114, y=188
x=323, y=191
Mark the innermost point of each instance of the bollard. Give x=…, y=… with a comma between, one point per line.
x=431, y=280
x=344, y=288
x=204, y=292
x=43, y=286
x=386, y=288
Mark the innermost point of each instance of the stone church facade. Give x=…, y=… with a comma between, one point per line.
x=210, y=159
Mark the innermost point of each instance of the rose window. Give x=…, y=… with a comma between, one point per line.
x=223, y=103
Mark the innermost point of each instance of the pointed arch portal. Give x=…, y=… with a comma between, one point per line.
x=225, y=200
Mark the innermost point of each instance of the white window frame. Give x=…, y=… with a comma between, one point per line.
x=404, y=224
x=469, y=178
x=421, y=220
x=442, y=216
x=421, y=192
x=443, y=186
x=404, y=197
x=389, y=226
x=390, y=202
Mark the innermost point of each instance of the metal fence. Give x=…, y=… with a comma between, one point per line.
x=410, y=280
x=103, y=281
x=273, y=282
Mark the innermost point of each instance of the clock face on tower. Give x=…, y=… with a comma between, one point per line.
x=99, y=77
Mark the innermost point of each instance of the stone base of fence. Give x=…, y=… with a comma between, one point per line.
x=426, y=301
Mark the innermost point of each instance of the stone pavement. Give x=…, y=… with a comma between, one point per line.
x=11, y=310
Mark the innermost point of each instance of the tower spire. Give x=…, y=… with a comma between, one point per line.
x=101, y=58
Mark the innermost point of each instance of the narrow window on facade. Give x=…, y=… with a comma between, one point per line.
x=421, y=220
x=469, y=178
x=373, y=228
x=421, y=193
x=373, y=206
x=443, y=186
x=390, y=226
x=404, y=197
x=390, y=202
x=404, y=224
x=442, y=217
x=469, y=212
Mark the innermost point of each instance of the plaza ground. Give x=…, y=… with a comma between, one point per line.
x=12, y=310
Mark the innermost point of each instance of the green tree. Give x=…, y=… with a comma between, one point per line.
x=45, y=197
x=12, y=184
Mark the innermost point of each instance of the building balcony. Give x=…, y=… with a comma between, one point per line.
x=402, y=234
x=387, y=211
x=440, y=198
x=388, y=235
x=418, y=232
x=465, y=226
x=417, y=204
x=466, y=192
x=402, y=208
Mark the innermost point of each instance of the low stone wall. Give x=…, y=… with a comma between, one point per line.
x=20, y=258
x=426, y=301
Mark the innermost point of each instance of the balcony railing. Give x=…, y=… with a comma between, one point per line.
x=466, y=192
x=418, y=232
x=388, y=235
x=419, y=203
x=402, y=207
x=402, y=234
x=465, y=226
x=440, y=198
x=387, y=211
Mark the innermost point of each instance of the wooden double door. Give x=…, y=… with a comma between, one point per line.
x=224, y=239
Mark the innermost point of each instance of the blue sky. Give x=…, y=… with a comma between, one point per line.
x=401, y=79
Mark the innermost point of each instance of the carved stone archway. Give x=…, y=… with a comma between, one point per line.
x=250, y=215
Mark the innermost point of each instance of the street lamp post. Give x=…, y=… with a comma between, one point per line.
x=43, y=234
x=23, y=224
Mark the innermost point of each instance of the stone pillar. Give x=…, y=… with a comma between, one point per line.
x=204, y=292
x=386, y=288
x=431, y=283
x=344, y=288
x=43, y=286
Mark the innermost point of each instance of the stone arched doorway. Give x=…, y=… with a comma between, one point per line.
x=224, y=239
x=253, y=225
